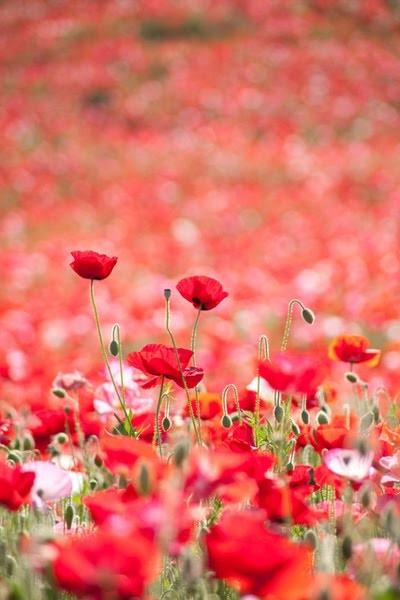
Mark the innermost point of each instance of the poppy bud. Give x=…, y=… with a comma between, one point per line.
x=180, y=452
x=377, y=416
x=305, y=417
x=167, y=293
x=362, y=447
x=98, y=461
x=14, y=457
x=10, y=565
x=366, y=421
x=308, y=316
x=289, y=467
x=62, y=438
x=311, y=539
x=28, y=443
x=144, y=483
x=278, y=413
x=351, y=377
x=226, y=422
x=69, y=514
x=59, y=392
x=389, y=520
x=295, y=428
x=365, y=497
x=166, y=423
x=114, y=348
x=322, y=418
x=347, y=547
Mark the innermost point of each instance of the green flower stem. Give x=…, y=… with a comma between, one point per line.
x=157, y=433
x=104, y=352
x=263, y=354
x=189, y=402
x=288, y=323
x=193, y=348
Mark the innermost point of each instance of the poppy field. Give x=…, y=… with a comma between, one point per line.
x=200, y=300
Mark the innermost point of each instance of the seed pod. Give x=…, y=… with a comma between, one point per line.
x=10, y=565
x=180, y=452
x=114, y=348
x=93, y=484
x=295, y=428
x=144, y=484
x=28, y=443
x=377, y=416
x=366, y=421
x=347, y=547
x=226, y=422
x=305, y=417
x=166, y=423
x=322, y=418
x=69, y=514
x=365, y=497
x=14, y=457
x=278, y=413
x=167, y=294
x=59, y=392
x=308, y=316
x=363, y=447
x=61, y=438
x=98, y=461
x=311, y=538
x=351, y=377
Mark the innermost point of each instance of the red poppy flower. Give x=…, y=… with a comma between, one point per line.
x=353, y=349
x=292, y=372
x=92, y=265
x=104, y=565
x=157, y=361
x=256, y=561
x=203, y=292
x=15, y=486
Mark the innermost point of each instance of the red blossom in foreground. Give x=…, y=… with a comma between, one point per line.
x=92, y=265
x=15, y=486
x=353, y=349
x=203, y=292
x=256, y=561
x=105, y=565
x=158, y=361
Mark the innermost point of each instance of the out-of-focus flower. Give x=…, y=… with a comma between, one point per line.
x=158, y=361
x=203, y=292
x=15, y=486
x=349, y=463
x=293, y=372
x=256, y=561
x=97, y=565
x=92, y=265
x=51, y=483
x=353, y=349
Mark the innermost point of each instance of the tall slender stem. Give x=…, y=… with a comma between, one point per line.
x=193, y=348
x=263, y=354
x=194, y=336
x=288, y=323
x=157, y=433
x=188, y=399
x=104, y=352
